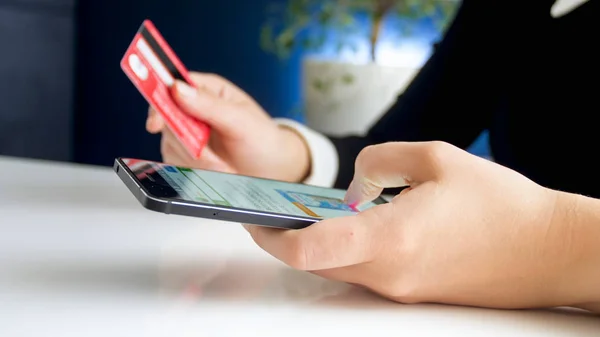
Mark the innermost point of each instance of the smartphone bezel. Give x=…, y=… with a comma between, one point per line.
x=159, y=198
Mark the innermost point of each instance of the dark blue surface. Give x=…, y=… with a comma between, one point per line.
x=481, y=146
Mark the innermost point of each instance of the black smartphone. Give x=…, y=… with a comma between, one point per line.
x=236, y=198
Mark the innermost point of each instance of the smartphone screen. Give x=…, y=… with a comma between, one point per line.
x=242, y=192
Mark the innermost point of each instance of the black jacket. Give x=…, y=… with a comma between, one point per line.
x=511, y=68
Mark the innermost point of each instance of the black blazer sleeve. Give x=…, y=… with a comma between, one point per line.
x=453, y=95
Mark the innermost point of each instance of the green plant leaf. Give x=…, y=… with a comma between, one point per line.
x=319, y=84
x=347, y=78
x=266, y=38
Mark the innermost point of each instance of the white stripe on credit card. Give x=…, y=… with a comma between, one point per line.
x=160, y=69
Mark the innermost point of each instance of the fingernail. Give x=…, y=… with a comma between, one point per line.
x=185, y=90
x=353, y=195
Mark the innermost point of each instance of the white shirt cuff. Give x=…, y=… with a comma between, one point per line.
x=323, y=155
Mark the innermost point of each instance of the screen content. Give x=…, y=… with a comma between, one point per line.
x=249, y=193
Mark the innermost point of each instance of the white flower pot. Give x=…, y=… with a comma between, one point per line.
x=344, y=98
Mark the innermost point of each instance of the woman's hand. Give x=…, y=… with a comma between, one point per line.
x=466, y=232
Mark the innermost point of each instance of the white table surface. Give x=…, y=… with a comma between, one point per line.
x=80, y=257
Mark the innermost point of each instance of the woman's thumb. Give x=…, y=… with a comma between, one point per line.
x=391, y=165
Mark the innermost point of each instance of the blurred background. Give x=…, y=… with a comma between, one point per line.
x=64, y=97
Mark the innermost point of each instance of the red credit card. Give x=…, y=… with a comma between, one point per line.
x=153, y=67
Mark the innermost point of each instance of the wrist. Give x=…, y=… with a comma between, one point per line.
x=318, y=161
x=298, y=160
x=577, y=219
